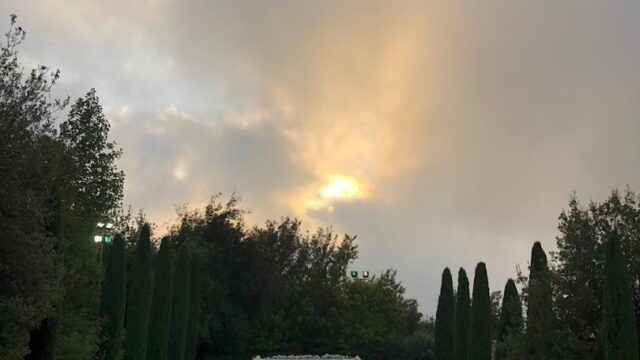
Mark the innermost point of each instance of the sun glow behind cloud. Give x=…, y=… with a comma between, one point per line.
x=342, y=187
x=352, y=108
x=335, y=189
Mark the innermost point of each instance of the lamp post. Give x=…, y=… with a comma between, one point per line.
x=102, y=238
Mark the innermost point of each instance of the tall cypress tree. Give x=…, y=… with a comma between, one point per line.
x=160, y=317
x=463, y=306
x=541, y=324
x=619, y=334
x=180, y=313
x=113, y=300
x=444, y=319
x=193, y=325
x=139, y=303
x=480, y=322
x=510, y=323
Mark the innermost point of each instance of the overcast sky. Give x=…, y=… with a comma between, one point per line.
x=440, y=133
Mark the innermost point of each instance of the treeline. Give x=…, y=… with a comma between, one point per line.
x=162, y=319
x=583, y=306
x=278, y=290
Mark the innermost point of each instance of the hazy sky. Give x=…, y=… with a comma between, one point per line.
x=440, y=133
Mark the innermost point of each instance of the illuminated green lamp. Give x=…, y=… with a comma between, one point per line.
x=354, y=274
x=108, y=239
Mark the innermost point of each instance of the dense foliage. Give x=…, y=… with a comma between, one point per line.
x=139, y=302
x=463, y=309
x=579, y=265
x=160, y=316
x=510, y=324
x=540, y=318
x=193, y=323
x=48, y=272
x=113, y=301
x=445, y=315
x=180, y=312
x=275, y=289
x=480, y=322
x=619, y=333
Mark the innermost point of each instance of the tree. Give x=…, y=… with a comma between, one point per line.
x=540, y=330
x=30, y=274
x=463, y=307
x=180, y=312
x=193, y=325
x=579, y=263
x=619, y=333
x=85, y=133
x=374, y=334
x=113, y=300
x=160, y=316
x=510, y=323
x=445, y=319
x=139, y=303
x=480, y=322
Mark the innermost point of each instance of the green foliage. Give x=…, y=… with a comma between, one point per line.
x=29, y=274
x=180, y=312
x=579, y=263
x=541, y=324
x=274, y=289
x=113, y=300
x=47, y=281
x=445, y=319
x=160, y=316
x=510, y=323
x=419, y=345
x=376, y=319
x=463, y=308
x=139, y=302
x=480, y=322
x=85, y=134
x=619, y=333
x=511, y=311
x=193, y=325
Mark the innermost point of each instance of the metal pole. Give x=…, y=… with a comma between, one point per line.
x=99, y=277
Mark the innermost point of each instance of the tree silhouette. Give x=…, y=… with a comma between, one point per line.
x=510, y=323
x=463, y=308
x=193, y=325
x=139, y=303
x=540, y=332
x=480, y=323
x=180, y=312
x=160, y=316
x=113, y=300
x=445, y=319
x=619, y=334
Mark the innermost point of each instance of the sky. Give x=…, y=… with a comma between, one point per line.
x=440, y=133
